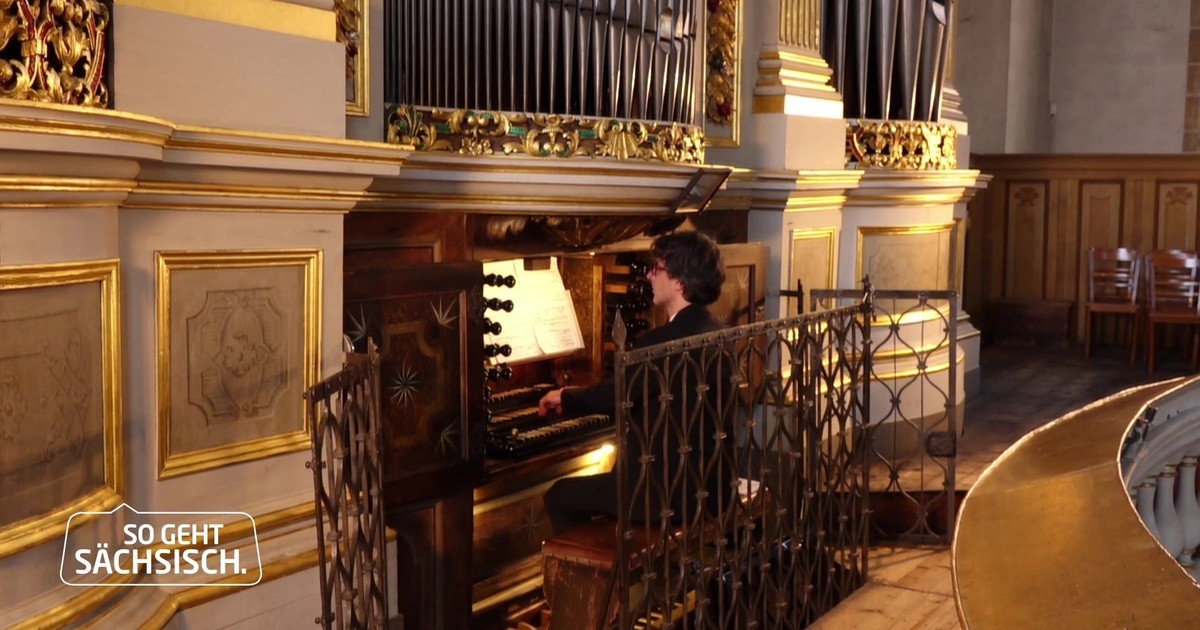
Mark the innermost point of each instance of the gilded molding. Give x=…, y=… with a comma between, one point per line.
x=901, y=145
x=53, y=51
x=721, y=46
x=351, y=32
x=488, y=133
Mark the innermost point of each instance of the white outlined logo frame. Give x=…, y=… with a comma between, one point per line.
x=99, y=514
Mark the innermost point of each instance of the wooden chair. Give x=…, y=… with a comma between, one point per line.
x=1113, y=280
x=1174, y=297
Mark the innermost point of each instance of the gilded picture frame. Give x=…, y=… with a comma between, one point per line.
x=60, y=398
x=239, y=341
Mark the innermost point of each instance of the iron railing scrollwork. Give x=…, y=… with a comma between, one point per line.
x=916, y=423
x=348, y=485
x=742, y=473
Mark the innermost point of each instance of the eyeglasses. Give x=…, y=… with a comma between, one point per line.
x=658, y=267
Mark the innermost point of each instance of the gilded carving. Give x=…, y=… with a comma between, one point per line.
x=468, y=132
x=900, y=145
x=53, y=51
x=721, y=48
x=351, y=26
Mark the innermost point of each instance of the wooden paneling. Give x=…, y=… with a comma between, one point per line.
x=1176, y=215
x=1026, y=224
x=1030, y=231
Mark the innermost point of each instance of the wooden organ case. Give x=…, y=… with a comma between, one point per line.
x=468, y=459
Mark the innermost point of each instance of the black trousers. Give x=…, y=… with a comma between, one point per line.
x=576, y=500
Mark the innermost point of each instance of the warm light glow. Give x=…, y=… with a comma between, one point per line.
x=606, y=450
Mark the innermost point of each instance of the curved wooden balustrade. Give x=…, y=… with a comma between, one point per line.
x=1049, y=538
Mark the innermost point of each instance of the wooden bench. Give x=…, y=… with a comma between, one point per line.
x=579, y=567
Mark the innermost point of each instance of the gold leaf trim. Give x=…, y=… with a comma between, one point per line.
x=488, y=133
x=901, y=145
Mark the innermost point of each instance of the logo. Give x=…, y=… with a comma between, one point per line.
x=125, y=547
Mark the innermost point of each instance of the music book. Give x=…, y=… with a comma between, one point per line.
x=543, y=323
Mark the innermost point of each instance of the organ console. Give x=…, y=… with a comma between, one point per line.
x=468, y=457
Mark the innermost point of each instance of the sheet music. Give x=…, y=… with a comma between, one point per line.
x=555, y=325
x=543, y=322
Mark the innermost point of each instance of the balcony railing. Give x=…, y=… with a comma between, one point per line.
x=1158, y=465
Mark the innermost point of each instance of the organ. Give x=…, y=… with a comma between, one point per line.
x=468, y=458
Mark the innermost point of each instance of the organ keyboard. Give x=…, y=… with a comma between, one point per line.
x=516, y=430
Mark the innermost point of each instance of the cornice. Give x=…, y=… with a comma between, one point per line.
x=787, y=191
x=431, y=182
x=881, y=187
x=127, y=160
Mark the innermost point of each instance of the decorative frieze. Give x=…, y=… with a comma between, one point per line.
x=900, y=145
x=488, y=133
x=53, y=51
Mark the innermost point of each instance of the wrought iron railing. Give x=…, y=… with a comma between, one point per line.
x=55, y=51
x=347, y=481
x=742, y=475
x=916, y=420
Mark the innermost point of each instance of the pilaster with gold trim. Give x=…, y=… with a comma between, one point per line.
x=793, y=78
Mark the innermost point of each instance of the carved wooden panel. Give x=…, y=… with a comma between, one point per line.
x=1176, y=216
x=1100, y=210
x=813, y=259
x=426, y=323
x=1144, y=202
x=1026, y=224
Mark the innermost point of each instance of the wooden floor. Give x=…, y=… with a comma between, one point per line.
x=1022, y=389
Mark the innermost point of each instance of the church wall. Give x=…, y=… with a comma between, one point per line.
x=981, y=62
x=1119, y=75
x=280, y=481
x=217, y=74
x=1029, y=128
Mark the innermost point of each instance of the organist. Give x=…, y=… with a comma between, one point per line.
x=686, y=278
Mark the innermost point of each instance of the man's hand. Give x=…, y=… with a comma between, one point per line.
x=552, y=401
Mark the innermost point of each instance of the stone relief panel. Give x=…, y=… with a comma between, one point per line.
x=915, y=257
x=242, y=339
x=813, y=261
x=60, y=442
x=237, y=355
x=51, y=410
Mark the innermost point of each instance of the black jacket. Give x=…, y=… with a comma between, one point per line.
x=692, y=320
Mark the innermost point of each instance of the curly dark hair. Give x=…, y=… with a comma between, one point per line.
x=694, y=260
